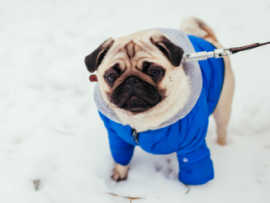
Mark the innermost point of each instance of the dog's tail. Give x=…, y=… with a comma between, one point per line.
x=197, y=27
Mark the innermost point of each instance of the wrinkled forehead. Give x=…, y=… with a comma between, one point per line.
x=133, y=47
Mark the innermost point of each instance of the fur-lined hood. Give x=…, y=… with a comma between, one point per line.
x=192, y=69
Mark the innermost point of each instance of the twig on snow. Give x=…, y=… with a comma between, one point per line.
x=187, y=186
x=127, y=197
x=36, y=184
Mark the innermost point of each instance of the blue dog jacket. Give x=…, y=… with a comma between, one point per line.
x=186, y=136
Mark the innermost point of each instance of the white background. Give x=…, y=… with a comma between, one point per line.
x=49, y=126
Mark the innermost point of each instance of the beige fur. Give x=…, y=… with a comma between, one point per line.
x=120, y=172
x=222, y=112
x=175, y=82
x=197, y=27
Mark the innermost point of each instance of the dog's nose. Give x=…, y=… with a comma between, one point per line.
x=132, y=80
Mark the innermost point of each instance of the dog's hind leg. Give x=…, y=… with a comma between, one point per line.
x=222, y=112
x=223, y=109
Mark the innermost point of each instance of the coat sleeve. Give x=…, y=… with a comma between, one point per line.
x=196, y=172
x=122, y=151
x=194, y=159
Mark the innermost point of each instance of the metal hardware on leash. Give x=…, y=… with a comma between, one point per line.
x=203, y=55
x=218, y=53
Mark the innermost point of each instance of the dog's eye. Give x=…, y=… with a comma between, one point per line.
x=111, y=77
x=154, y=72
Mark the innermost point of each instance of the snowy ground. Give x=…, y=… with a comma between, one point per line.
x=49, y=126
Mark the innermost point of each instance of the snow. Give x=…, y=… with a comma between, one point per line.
x=49, y=126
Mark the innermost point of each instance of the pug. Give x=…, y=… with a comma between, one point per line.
x=147, y=97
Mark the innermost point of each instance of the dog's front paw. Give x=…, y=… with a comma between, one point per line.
x=120, y=172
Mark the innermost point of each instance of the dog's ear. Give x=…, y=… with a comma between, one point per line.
x=93, y=60
x=170, y=50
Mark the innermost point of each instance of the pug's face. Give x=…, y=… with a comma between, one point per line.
x=136, y=72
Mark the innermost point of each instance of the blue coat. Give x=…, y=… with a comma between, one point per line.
x=186, y=137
